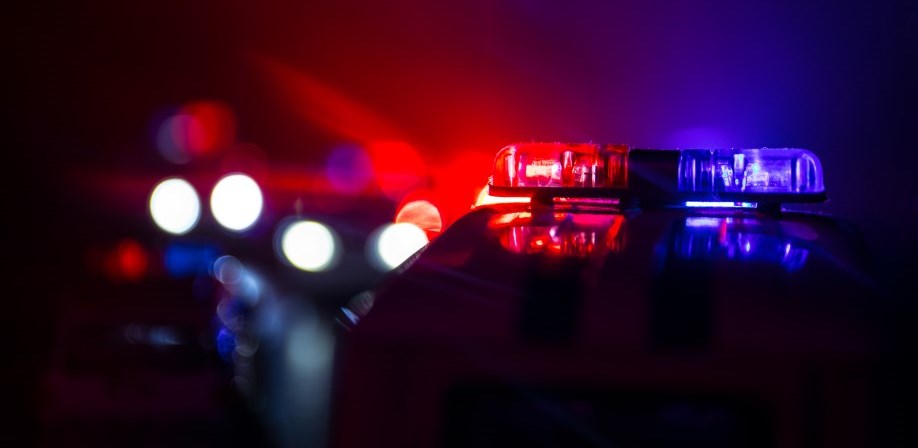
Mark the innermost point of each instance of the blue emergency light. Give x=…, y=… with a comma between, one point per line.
x=692, y=177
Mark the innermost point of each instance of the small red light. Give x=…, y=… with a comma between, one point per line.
x=128, y=261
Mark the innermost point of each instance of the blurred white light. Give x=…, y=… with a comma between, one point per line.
x=394, y=243
x=236, y=202
x=309, y=245
x=309, y=349
x=174, y=206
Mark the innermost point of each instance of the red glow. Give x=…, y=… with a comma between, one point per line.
x=213, y=127
x=453, y=173
x=246, y=158
x=129, y=261
x=398, y=166
x=456, y=182
x=323, y=105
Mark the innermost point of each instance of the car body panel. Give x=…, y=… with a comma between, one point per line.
x=753, y=306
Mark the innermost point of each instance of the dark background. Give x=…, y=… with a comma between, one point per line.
x=455, y=79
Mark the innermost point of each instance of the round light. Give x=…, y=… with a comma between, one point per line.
x=422, y=214
x=236, y=202
x=228, y=270
x=309, y=245
x=394, y=243
x=174, y=206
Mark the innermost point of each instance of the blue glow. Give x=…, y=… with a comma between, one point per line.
x=226, y=343
x=187, y=259
x=706, y=204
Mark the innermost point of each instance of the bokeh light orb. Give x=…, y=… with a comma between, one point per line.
x=236, y=202
x=175, y=206
x=392, y=244
x=310, y=246
x=422, y=214
x=349, y=169
x=198, y=128
x=228, y=270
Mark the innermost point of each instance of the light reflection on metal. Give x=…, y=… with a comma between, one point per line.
x=155, y=336
x=566, y=234
x=737, y=239
x=720, y=204
x=484, y=198
x=356, y=308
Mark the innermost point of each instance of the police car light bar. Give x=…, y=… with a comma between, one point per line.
x=693, y=178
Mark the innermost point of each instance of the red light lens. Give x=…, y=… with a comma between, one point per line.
x=561, y=165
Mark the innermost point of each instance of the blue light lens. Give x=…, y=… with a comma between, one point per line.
x=764, y=170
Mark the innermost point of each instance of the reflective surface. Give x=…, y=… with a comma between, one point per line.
x=654, y=327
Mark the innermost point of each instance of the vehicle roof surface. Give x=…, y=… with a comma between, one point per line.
x=660, y=279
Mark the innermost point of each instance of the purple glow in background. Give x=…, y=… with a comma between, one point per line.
x=456, y=80
x=833, y=77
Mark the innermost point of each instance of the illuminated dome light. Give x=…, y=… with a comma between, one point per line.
x=309, y=245
x=422, y=214
x=236, y=202
x=392, y=244
x=174, y=206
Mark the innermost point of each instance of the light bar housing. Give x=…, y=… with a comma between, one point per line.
x=657, y=176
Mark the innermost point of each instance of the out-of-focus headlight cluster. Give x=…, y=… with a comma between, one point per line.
x=236, y=203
